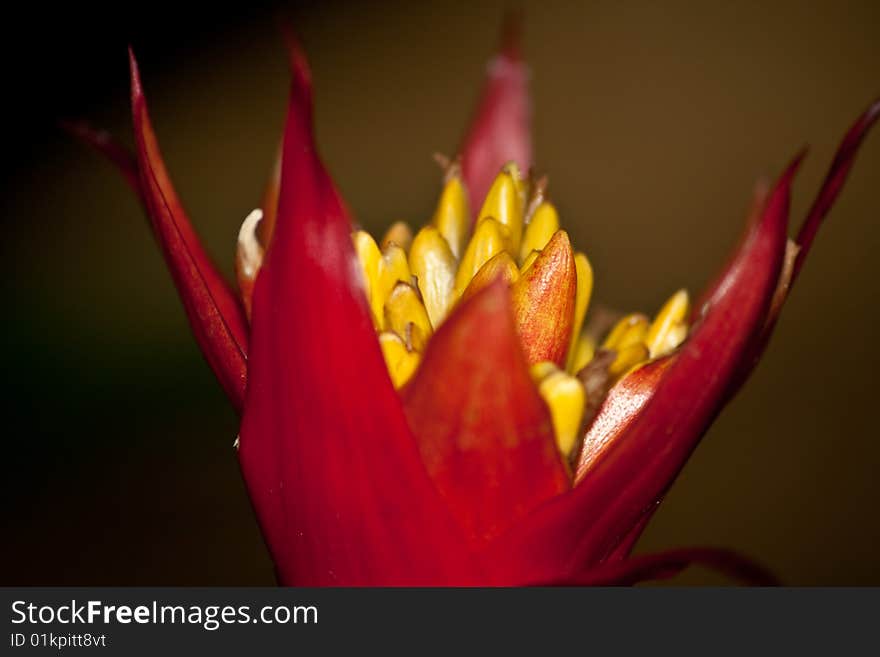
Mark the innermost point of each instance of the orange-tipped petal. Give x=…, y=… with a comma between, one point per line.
x=585, y=526
x=543, y=301
x=215, y=314
x=484, y=433
x=500, y=129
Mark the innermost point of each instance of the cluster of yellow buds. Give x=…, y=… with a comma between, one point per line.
x=413, y=282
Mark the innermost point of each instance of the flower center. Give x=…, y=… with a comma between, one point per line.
x=413, y=282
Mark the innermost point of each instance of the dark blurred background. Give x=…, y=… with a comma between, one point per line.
x=653, y=123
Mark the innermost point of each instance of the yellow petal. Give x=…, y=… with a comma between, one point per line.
x=400, y=361
x=405, y=314
x=669, y=326
x=629, y=327
x=582, y=353
x=542, y=370
x=501, y=265
x=433, y=264
x=369, y=256
x=504, y=203
x=400, y=234
x=565, y=397
x=528, y=261
x=489, y=238
x=581, y=303
x=393, y=269
x=677, y=335
x=452, y=216
x=539, y=230
x=628, y=358
x=634, y=334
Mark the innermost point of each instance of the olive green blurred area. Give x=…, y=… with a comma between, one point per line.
x=653, y=122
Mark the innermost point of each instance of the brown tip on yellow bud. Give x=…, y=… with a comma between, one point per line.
x=543, y=300
x=401, y=362
x=405, y=314
x=501, y=265
x=433, y=264
x=537, y=196
x=393, y=269
x=398, y=233
x=490, y=238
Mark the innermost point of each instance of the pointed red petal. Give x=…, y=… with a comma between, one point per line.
x=663, y=565
x=500, y=129
x=269, y=203
x=299, y=67
x=584, y=526
x=622, y=405
x=484, y=432
x=331, y=466
x=831, y=188
x=214, y=313
x=834, y=181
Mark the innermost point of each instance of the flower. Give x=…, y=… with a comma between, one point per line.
x=431, y=409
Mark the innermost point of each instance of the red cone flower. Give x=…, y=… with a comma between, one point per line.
x=482, y=438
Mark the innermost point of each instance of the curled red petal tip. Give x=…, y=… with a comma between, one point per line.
x=663, y=565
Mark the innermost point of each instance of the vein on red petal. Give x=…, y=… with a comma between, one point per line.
x=584, y=526
x=663, y=565
x=330, y=463
x=500, y=129
x=484, y=433
x=214, y=313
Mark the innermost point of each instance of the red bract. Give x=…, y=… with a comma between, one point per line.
x=456, y=478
